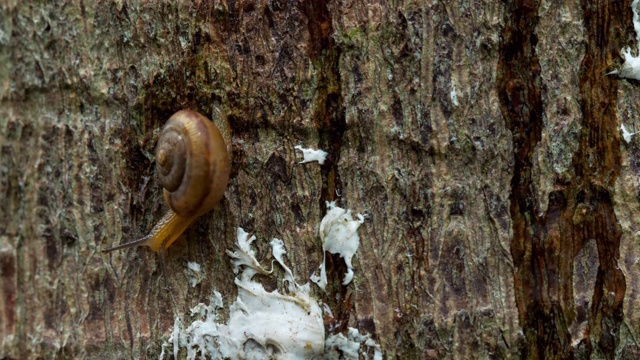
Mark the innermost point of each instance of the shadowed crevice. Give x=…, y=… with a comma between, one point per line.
x=329, y=120
x=329, y=116
x=598, y=162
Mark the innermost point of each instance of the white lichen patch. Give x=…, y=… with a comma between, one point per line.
x=339, y=235
x=312, y=155
x=350, y=346
x=194, y=273
x=261, y=325
x=631, y=67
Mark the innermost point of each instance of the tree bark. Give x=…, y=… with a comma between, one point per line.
x=480, y=138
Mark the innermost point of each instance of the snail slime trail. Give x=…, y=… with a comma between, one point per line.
x=193, y=166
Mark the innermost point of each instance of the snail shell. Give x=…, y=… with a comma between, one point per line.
x=193, y=166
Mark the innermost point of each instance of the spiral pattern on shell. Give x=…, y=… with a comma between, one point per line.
x=192, y=163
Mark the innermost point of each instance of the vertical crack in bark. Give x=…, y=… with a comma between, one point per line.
x=521, y=105
x=598, y=162
x=544, y=245
x=329, y=119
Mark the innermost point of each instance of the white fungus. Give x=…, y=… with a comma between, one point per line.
x=631, y=67
x=280, y=325
x=194, y=273
x=312, y=155
x=626, y=134
x=339, y=235
x=454, y=95
x=286, y=323
x=350, y=346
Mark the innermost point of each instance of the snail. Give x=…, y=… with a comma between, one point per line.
x=193, y=165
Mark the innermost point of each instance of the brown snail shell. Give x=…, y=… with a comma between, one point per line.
x=193, y=165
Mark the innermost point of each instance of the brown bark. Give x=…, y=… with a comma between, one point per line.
x=502, y=225
x=580, y=209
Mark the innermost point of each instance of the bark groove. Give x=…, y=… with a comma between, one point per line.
x=579, y=209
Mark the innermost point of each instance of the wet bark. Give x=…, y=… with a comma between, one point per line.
x=579, y=210
x=481, y=138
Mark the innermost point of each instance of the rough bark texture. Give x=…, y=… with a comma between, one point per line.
x=560, y=315
x=501, y=224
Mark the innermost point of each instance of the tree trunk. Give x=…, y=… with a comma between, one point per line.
x=480, y=138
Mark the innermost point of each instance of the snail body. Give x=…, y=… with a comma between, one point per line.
x=193, y=165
